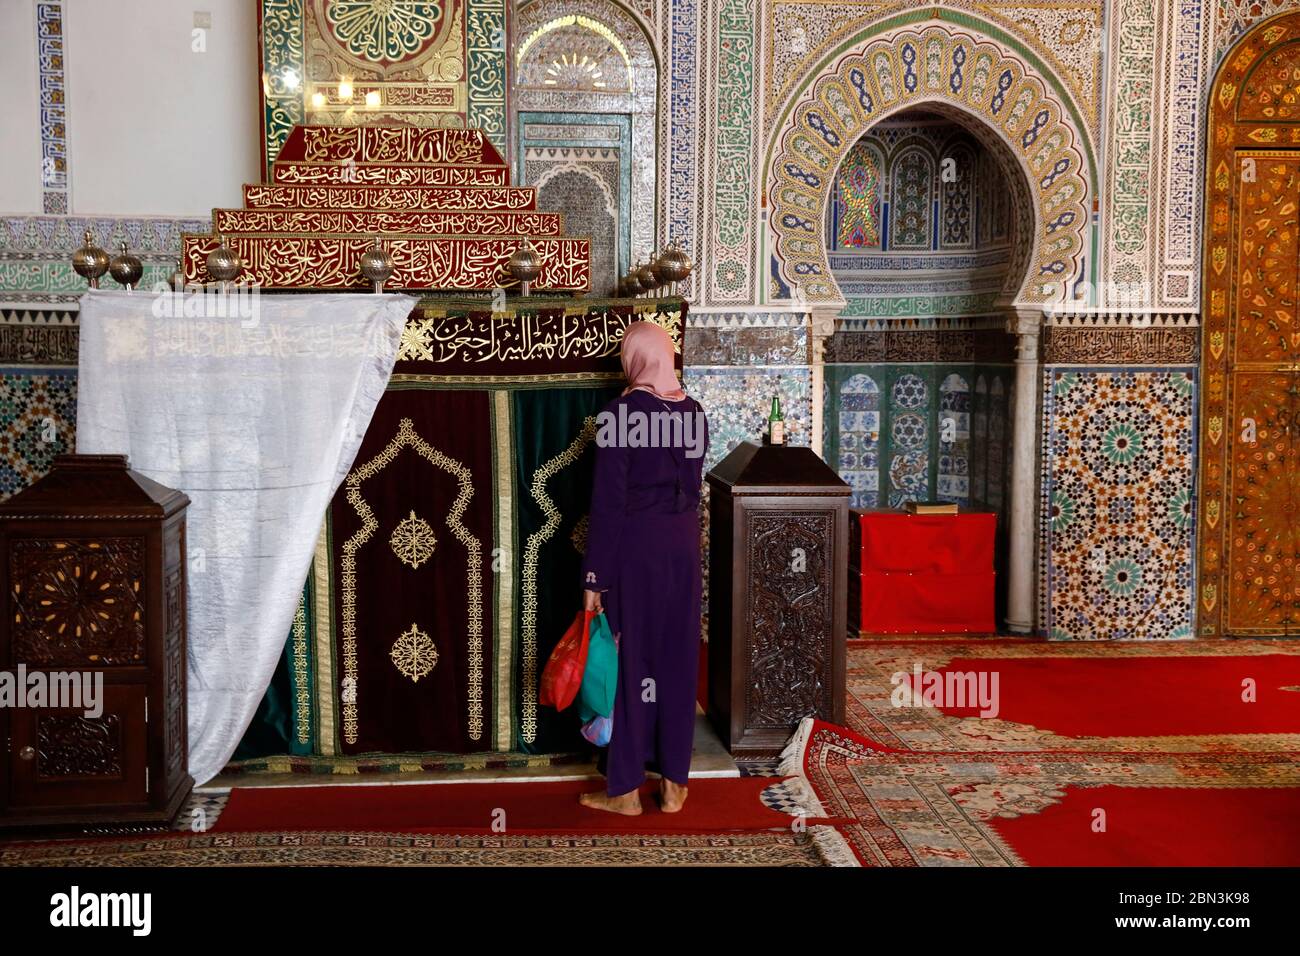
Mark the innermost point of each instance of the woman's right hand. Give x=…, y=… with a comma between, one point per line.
x=591, y=601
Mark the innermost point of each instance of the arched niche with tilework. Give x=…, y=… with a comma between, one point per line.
x=1005, y=98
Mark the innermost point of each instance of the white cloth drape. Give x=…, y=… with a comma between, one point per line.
x=255, y=408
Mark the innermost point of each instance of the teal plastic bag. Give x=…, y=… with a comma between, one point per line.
x=600, y=679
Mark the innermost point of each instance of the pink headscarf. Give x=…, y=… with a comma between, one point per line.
x=648, y=357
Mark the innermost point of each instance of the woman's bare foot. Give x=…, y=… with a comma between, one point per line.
x=627, y=804
x=671, y=796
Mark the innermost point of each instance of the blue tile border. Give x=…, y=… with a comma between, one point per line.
x=53, y=106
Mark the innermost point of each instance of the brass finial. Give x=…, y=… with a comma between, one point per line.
x=90, y=261
x=126, y=269
x=377, y=265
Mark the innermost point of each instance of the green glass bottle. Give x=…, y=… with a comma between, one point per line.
x=775, y=423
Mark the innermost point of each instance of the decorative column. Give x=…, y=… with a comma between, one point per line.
x=821, y=325
x=1026, y=325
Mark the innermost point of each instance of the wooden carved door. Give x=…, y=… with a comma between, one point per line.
x=1260, y=545
x=1250, y=427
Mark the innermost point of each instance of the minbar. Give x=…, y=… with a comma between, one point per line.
x=92, y=582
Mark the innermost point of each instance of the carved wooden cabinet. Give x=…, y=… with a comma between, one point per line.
x=92, y=582
x=778, y=553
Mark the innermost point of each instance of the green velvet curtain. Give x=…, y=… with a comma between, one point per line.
x=554, y=458
x=285, y=719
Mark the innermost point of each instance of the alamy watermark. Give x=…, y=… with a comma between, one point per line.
x=241, y=301
x=955, y=689
x=78, y=908
x=55, y=690
x=632, y=428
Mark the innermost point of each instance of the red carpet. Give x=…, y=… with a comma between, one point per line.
x=1141, y=696
x=1257, y=826
x=714, y=805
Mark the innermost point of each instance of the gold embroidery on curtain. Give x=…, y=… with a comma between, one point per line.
x=413, y=654
x=503, y=572
x=326, y=719
x=301, y=671
x=413, y=541
x=547, y=379
x=579, y=535
x=407, y=437
x=528, y=589
x=575, y=333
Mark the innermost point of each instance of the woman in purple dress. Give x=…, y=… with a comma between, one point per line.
x=642, y=568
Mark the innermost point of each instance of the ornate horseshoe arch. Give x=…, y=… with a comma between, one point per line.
x=1016, y=110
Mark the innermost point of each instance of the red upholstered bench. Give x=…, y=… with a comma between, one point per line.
x=923, y=574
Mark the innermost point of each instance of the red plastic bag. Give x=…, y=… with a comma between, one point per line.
x=562, y=676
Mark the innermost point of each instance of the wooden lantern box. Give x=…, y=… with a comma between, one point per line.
x=778, y=569
x=92, y=581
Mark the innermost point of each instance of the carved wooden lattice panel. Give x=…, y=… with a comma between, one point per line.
x=69, y=745
x=791, y=563
x=78, y=601
x=174, y=669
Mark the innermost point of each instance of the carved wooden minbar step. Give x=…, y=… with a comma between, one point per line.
x=439, y=200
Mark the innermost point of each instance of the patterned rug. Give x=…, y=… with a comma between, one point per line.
x=777, y=848
x=906, y=808
x=1076, y=675
x=192, y=842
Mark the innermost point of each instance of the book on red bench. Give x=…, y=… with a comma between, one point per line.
x=931, y=508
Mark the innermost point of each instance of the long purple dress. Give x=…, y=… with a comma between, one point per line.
x=643, y=552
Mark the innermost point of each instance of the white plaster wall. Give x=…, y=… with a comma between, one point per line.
x=155, y=128
x=20, y=121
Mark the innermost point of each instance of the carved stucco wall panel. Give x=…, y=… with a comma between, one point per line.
x=597, y=57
